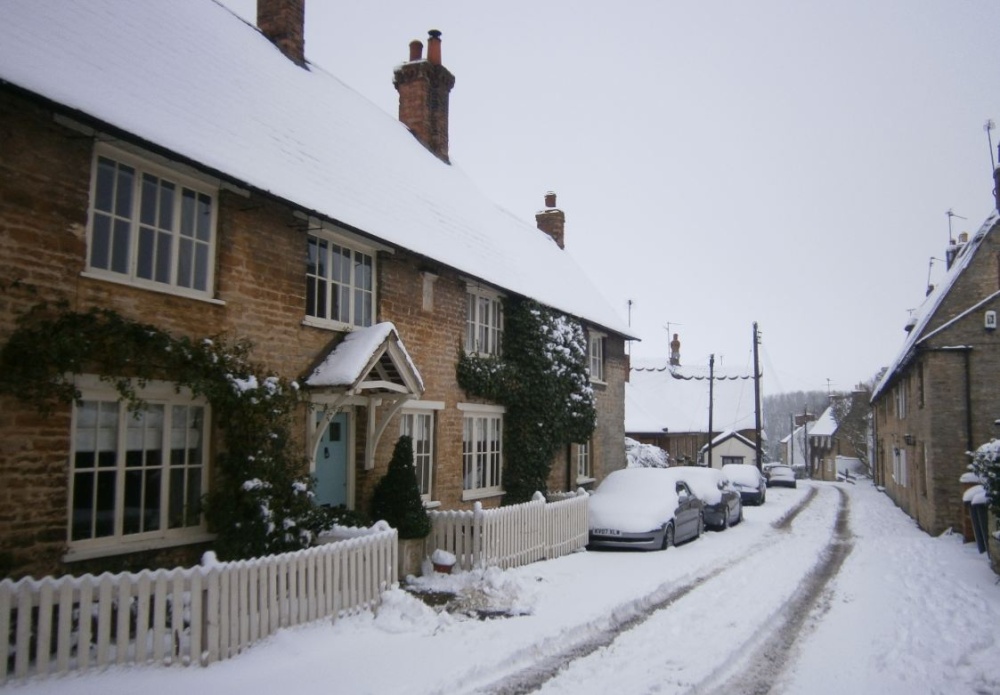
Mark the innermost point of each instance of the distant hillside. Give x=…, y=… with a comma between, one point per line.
x=777, y=412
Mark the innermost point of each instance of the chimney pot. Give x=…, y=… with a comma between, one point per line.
x=675, y=351
x=552, y=220
x=434, y=46
x=416, y=50
x=424, y=87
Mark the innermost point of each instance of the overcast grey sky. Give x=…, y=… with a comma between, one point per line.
x=719, y=163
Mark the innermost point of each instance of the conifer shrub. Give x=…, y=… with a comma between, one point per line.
x=396, y=499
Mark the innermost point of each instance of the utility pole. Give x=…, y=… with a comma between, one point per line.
x=805, y=439
x=711, y=384
x=791, y=439
x=756, y=397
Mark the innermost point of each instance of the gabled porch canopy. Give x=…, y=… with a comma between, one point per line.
x=369, y=367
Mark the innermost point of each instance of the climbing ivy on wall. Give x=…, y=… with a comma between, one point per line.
x=260, y=502
x=542, y=380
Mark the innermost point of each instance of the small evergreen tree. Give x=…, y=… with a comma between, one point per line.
x=397, y=495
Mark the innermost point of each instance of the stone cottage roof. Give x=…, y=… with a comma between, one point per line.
x=190, y=80
x=922, y=316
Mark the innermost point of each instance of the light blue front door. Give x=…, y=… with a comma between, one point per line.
x=331, y=464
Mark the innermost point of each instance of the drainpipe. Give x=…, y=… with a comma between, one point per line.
x=968, y=400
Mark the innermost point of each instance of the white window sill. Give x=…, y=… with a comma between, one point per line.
x=118, y=547
x=580, y=480
x=599, y=382
x=472, y=495
x=431, y=504
x=160, y=287
x=327, y=325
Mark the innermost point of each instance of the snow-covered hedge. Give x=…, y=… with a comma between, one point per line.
x=645, y=455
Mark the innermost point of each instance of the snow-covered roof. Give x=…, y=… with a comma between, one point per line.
x=655, y=400
x=191, y=78
x=825, y=426
x=921, y=317
x=347, y=362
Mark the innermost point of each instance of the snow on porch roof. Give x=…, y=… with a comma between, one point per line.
x=191, y=77
x=350, y=362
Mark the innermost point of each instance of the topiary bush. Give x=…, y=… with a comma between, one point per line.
x=986, y=464
x=397, y=495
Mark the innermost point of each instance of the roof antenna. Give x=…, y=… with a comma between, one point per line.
x=950, y=213
x=989, y=126
x=930, y=264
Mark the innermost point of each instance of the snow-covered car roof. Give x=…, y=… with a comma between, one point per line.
x=634, y=500
x=704, y=482
x=742, y=473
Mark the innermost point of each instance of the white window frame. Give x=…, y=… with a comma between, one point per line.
x=595, y=355
x=130, y=222
x=899, y=466
x=424, y=462
x=733, y=459
x=900, y=400
x=585, y=462
x=483, y=321
x=354, y=318
x=154, y=393
x=482, y=471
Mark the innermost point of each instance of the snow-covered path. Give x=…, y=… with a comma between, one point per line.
x=903, y=613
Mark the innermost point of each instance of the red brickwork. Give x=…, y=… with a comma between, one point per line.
x=45, y=176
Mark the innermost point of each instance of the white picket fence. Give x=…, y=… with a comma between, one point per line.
x=511, y=536
x=194, y=615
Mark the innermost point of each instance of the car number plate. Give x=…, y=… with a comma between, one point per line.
x=606, y=532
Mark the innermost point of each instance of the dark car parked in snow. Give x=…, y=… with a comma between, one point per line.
x=723, y=504
x=748, y=480
x=781, y=476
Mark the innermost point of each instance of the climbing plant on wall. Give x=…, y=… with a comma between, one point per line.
x=260, y=501
x=542, y=380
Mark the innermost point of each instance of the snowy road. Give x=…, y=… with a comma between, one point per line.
x=675, y=647
x=827, y=589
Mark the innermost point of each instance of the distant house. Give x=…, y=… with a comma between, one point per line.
x=667, y=408
x=173, y=163
x=728, y=447
x=939, y=398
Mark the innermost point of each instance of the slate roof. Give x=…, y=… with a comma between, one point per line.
x=925, y=312
x=654, y=399
x=190, y=78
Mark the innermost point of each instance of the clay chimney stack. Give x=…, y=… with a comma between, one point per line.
x=424, y=87
x=675, y=351
x=283, y=22
x=552, y=220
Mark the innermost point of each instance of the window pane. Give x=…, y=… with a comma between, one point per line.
x=100, y=242
x=163, y=243
x=123, y=191
x=185, y=262
x=105, y=188
x=83, y=504
x=187, y=212
x=200, y=267
x=144, y=260
x=147, y=213
x=203, y=219
x=166, y=205
x=104, y=524
x=120, y=247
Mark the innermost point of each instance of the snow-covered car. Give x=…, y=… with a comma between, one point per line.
x=748, y=480
x=781, y=476
x=723, y=504
x=643, y=509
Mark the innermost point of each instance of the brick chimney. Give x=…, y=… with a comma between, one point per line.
x=552, y=220
x=675, y=351
x=424, y=87
x=283, y=22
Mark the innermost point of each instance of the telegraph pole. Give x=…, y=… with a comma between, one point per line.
x=756, y=396
x=711, y=383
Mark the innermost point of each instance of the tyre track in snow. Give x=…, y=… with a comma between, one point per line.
x=758, y=673
x=625, y=618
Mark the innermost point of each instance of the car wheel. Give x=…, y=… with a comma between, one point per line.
x=725, y=520
x=701, y=525
x=668, y=536
x=740, y=520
